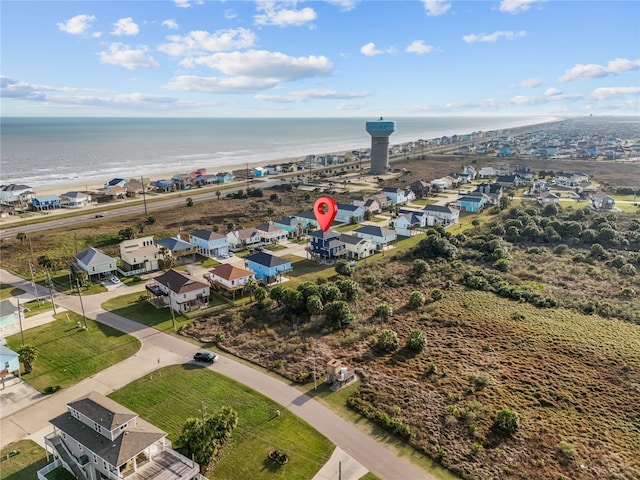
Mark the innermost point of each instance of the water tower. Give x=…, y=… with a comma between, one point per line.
x=380, y=131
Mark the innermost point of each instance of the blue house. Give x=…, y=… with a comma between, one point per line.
x=292, y=225
x=165, y=185
x=268, y=268
x=258, y=172
x=224, y=177
x=307, y=219
x=327, y=245
x=46, y=202
x=8, y=360
x=397, y=196
x=472, y=202
x=347, y=212
x=209, y=243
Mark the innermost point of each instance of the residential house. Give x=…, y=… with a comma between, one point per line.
x=97, y=438
x=525, y=173
x=307, y=219
x=273, y=169
x=441, y=215
x=46, y=202
x=470, y=172
x=182, y=181
x=95, y=263
x=600, y=201
x=244, y=238
x=357, y=247
x=270, y=233
x=206, y=179
x=225, y=177
x=230, y=278
x=408, y=223
x=571, y=179
x=487, y=172
x=115, y=182
x=268, y=268
x=347, y=213
x=7, y=210
x=440, y=184
x=115, y=192
x=133, y=188
x=409, y=195
x=492, y=190
x=502, y=170
x=326, y=246
x=10, y=316
x=181, y=292
x=397, y=196
x=139, y=255
x=293, y=226
x=259, y=172
x=472, y=202
x=165, y=185
x=181, y=251
x=546, y=198
x=378, y=235
x=420, y=188
x=74, y=200
x=539, y=185
x=209, y=243
x=16, y=193
x=9, y=362
x=508, y=181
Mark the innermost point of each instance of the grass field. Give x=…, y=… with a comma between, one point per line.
x=135, y=307
x=68, y=354
x=179, y=392
x=7, y=291
x=34, y=307
x=24, y=465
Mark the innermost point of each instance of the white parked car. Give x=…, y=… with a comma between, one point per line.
x=113, y=279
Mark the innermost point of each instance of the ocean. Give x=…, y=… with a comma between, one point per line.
x=50, y=152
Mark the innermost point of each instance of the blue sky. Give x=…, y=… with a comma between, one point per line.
x=319, y=58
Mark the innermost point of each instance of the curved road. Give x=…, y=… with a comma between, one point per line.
x=160, y=349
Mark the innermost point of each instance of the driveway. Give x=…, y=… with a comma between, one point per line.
x=159, y=350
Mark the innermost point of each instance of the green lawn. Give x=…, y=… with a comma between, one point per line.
x=67, y=354
x=275, y=247
x=347, y=228
x=7, y=291
x=306, y=270
x=25, y=464
x=422, y=202
x=135, y=307
x=34, y=307
x=176, y=393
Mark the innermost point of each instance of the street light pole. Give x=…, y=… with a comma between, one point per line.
x=81, y=304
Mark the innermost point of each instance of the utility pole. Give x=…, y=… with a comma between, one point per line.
x=20, y=320
x=144, y=196
x=33, y=281
x=202, y=409
x=81, y=304
x=173, y=314
x=50, y=284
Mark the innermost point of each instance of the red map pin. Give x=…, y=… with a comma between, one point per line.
x=325, y=219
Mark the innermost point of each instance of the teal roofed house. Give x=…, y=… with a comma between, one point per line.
x=268, y=268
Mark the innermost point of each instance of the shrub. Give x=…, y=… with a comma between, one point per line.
x=431, y=369
x=343, y=268
x=507, y=422
x=567, y=450
x=561, y=249
x=480, y=380
x=416, y=341
x=338, y=314
x=416, y=299
x=383, y=311
x=436, y=294
x=387, y=341
x=502, y=264
x=628, y=269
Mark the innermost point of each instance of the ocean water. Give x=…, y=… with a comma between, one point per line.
x=49, y=152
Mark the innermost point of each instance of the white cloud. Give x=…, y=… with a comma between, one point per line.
x=198, y=42
x=345, y=5
x=301, y=96
x=614, y=67
x=271, y=66
x=187, y=3
x=350, y=106
x=553, y=96
x=493, y=37
x=193, y=83
x=276, y=13
x=530, y=83
x=78, y=25
x=436, y=7
x=124, y=56
x=551, y=91
x=517, y=6
x=125, y=26
x=171, y=24
x=418, y=46
x=370, y=50
x=605, y=93
x=230, y=14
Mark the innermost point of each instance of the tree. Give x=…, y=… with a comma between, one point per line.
x=218, y=193
x=507, y=422
x=21, y=236
x=416, y=341
x=127, y=233
x=436, y=294
x=292, y=299
x=314, y=305
x=277, y=293
x=45, y=262
x=189, y=202
x=329, y=292
x=338, y=314
x=383, y=312
x=387, y=341
x=343, y=268
x=416, y=299
x=260, y=294
x=349, y=289
x=27, y=353
x=435, y=246
x=251, y=285
x=419, y=268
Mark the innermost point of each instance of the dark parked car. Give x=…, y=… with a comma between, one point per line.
x=205, y=357
x=99, y=215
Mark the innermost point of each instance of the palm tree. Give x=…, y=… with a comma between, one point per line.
x=27, y=353
x=251, y=285
x=21, y=236
x=218, y=194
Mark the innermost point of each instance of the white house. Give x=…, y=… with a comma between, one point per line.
x=244, y=238
x=98, y=438
x=139, y=255
x=487, y=172
x=546, y=198
x=347, y=212
x=74, y=200
x=408, y=223
x=357, y=247
x=271, y=233
x=16, y=193
x=440, y=183
x=378, y=235
x=397, y=196
x=209, y=243
x=97, y=264
x=571, y=179
x=10, y=315
x=182, y=292
x=441, y=215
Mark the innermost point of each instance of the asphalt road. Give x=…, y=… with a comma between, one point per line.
x=160, y=349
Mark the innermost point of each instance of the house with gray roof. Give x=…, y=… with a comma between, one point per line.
x=441, y=215
x=379, y=236
x=209, y=243
x=97, y=437
x=97, y=264
x=268, y=268
x=177, y=248
x=357, y=247
x=74, y=200
x=14, y=193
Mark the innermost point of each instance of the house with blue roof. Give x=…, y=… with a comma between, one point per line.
x=326, y=246
x=268, y=268
x=165, y=185
x=378, y=235
x=348, y=212
x=46, y=202
x=209, y=243
x=177, y=248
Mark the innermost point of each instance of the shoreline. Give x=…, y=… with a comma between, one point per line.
x=70, y=185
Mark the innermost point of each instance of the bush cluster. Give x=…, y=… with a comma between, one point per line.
x=488, y=282
x=380, y=417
